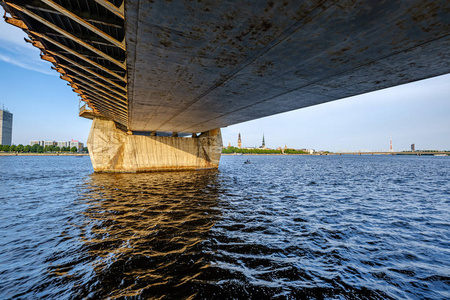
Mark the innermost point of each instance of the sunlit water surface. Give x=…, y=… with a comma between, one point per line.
x=282, y=227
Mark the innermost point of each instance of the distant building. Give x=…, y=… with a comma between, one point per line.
x=263, y=146
x=43, y=143
x=70, y=144
x=239, y=141
x=32, y=143
x=49, y=143
x=62, y=144
x=6, y=120
x=79, y=145
x=413, y=147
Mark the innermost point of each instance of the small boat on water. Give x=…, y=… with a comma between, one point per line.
x=441, y=154
x=247, y=162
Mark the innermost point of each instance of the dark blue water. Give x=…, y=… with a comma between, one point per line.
x=282, y=227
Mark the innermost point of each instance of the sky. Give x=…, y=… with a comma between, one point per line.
x=46, y=108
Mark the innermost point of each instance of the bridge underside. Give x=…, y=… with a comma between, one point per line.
x=197, y=65
x=193, y=66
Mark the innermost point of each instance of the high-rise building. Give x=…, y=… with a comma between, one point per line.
x=413, y=147
x=6, y=120
x=239, y=141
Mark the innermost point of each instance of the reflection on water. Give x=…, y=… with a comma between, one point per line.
x=143, y=234
x=279, y=228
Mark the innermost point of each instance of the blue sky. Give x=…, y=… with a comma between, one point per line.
x=44, y=107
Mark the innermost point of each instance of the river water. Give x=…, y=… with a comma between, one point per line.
x=282, y=227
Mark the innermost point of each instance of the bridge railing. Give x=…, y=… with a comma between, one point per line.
x=86, y=112
x=83, y=109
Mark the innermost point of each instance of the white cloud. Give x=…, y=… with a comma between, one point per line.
x=11, y=34
x=26, y=65
x=14, y=50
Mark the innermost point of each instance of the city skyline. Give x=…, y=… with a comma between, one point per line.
x=262, y=146
x=44, y=106
x=416, y=113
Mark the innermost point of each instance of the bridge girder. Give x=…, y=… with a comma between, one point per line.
x=84, y=40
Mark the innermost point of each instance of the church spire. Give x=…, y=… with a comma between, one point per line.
x=263, y=143
x=239, y=141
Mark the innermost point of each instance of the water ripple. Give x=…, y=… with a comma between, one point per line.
x=282, y=227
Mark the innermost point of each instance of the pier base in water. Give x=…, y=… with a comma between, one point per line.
x=113, y=150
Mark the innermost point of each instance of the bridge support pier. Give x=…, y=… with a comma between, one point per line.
x=113, y=150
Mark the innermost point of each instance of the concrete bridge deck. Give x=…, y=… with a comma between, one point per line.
x=194, y=66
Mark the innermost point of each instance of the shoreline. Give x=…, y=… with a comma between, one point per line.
x=232, y=154
x=347, y=154
x=44, y=154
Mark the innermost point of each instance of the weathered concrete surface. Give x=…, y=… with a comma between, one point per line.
x=113, y=150
x=197, y=65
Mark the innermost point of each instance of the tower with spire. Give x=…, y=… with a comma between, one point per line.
x=239, y=141
x=263, y=143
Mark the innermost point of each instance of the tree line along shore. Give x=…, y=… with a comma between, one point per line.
x=39, y=149
x=232, y=150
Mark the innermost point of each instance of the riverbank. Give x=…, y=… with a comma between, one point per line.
x=277, y=154
x=43, y=154
x=441, y=153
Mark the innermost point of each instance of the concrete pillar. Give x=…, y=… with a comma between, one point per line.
x=113, y=150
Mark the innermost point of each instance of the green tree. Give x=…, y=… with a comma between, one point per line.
x=73, y=149
x=35, y=148
x=12, y=148
x=85, y=149
x=293, y=151
x=40, y=149
x=46, y=148
x=19, y=148
x=5, y=148
x=251, y=151
x=57, y=149
x=27, y=148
